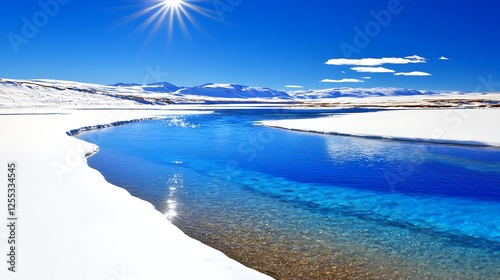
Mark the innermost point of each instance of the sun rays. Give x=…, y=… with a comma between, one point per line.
x=170, y=14
x=173, y=3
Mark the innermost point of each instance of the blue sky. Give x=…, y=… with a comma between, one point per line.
x=379, y=43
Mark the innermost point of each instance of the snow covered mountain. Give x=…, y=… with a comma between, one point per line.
x=210, y=91
x=49, y=93
x=363, y=92
x=46, y=93
x=126, y=85
x=67, y=94
x=161, y=87
x=233, y=91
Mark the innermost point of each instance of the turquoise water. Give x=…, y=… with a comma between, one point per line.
x=417, y=210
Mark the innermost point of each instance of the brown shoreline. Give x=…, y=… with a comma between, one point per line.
x=281, y=260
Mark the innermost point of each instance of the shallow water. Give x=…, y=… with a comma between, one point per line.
x=301, y=205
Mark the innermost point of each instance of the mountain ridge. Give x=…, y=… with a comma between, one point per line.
x=42, y=92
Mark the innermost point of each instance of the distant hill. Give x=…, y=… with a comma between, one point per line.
x=362, y=92
x=68, y=94
x=125, y=85
x=161, y=87
x=233, y=91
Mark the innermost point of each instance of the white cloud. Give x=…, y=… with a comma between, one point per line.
x=366, y=78
x=343, y=72
x=414, y=73
x=342, y=81
x=376, y=61
x=415, y=57
x=443, y=58
x=294, y=86
x=372, y=70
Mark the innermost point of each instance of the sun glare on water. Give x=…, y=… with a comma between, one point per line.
x=169, y=13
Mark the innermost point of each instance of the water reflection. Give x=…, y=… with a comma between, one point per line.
x=173, y=185
x=177, y=121
x=348, y=149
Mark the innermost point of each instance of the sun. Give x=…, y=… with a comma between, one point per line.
x=173, y=3
x=169, y=14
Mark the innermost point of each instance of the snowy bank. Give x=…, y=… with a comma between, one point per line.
x=465, y=127
x=72, y=224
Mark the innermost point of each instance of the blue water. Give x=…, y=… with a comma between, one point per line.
x=416, y=209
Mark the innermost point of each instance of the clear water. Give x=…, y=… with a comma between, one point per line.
x=375, y=208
